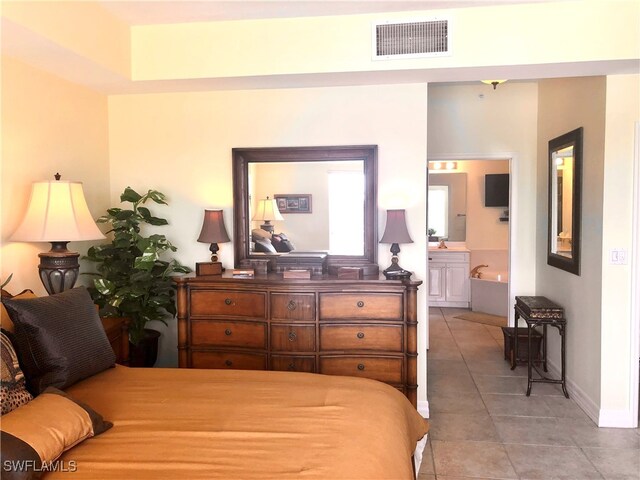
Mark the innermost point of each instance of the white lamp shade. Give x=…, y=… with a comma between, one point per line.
x=57, y=212
x=267, y=210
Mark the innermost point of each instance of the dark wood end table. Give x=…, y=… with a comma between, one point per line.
x=540, y=311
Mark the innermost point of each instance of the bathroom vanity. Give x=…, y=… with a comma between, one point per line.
x=449, y=277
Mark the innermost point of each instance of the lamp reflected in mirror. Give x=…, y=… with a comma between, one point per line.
x=267, y=212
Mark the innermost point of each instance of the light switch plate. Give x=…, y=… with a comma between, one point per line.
x=618, y=256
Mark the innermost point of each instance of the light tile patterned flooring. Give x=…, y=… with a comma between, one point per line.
x=484, y=427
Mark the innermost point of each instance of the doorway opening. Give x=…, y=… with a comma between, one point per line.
x=473, y=272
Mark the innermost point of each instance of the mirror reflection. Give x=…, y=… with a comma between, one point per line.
x=319, y=207
x=565, y=193
x=447, y=206
x=562, y=188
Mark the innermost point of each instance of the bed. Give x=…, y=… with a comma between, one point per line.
x=232, y=424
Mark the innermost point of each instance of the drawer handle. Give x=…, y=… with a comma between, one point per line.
x=360, y=335
x=228, y=363
x=227, y=332
x=291, y=366
x=291, y=305
x=360, y=304
x=227, y=301
x=361, y=366
x=292, y=336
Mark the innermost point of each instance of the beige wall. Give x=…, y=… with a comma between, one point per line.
x=181, y=145
x=564, y=105
x=306, y=231
x=327, y=44
x=48, y=126
x=473, y=121
x=485, y=231
x=617, y=357
x=81, y=27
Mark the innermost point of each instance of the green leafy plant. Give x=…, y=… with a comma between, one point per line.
x=6, y=281
x=133, y=280
x=431, y=231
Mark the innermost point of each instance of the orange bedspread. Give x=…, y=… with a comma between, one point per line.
x=224, y=424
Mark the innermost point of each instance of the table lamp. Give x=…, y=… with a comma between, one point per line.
x=267, y=211
x=213, y=232
x=57, y=213
x=395, y=232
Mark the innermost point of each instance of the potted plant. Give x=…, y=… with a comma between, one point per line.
x=432, y=235
x=133, y=279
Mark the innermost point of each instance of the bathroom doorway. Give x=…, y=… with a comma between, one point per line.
x=469, y=199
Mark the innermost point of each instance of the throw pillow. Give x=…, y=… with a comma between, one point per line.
x=281, y=243
x=263, y=245
x=13, y=392
x=60, y=339
x=5, y=320
x=36, y=434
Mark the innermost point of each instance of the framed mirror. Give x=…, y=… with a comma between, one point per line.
x=565, y=193
x=326, y=199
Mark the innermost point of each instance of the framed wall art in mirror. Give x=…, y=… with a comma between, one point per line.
x=565, y=194
x=341, y=224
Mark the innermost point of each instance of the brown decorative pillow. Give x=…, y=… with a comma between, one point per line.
x=36, y=434
x=60, y=339
x=5, y=320
x=13, y=392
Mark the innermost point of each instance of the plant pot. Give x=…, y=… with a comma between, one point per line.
x=145, y=353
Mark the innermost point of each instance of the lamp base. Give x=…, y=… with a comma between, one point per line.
x=58, y=268
x=267, y=226
x=395, y=271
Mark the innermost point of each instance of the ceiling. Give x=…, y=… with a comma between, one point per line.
x=183, y=11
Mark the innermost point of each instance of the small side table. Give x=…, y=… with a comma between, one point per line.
x=541, y=311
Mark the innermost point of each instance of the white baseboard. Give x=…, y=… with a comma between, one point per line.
x=576, y=394
x=602, y=418
x=618, y=419
x=423, y=408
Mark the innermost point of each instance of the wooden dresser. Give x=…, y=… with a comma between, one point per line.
x=362, y=328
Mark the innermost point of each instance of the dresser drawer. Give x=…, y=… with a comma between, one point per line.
x=229, y=303
x=293, y=363
x=293, y=338
x=289, y=307
x=372, y=306
x=384, y=369
x=229, y=334
x=231, y=360
x=361, y=337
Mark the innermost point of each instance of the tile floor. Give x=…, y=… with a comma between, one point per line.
x=484, y=427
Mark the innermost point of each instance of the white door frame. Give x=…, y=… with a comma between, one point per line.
x=635, y=282
x=511, y=157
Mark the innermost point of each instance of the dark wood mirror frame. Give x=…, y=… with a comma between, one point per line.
x=367, y=153
x=568, y=263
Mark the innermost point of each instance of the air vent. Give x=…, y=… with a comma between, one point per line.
x=411, y=39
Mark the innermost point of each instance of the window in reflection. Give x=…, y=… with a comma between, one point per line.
x=438, y=210
x=346, y=213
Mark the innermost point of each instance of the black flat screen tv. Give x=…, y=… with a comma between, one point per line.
x=496, y=190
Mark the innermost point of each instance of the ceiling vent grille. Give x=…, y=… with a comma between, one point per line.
x=411, y=39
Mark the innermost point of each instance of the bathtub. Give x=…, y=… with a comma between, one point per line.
x=490, y=294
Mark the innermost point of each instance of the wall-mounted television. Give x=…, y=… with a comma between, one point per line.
x=496, y=190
